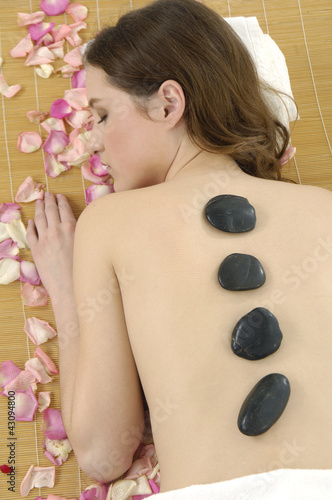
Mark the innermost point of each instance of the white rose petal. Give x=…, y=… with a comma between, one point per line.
x=17, y=232
x=10, y=271
x=4, y=235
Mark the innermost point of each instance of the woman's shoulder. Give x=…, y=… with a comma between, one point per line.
x=120, y=209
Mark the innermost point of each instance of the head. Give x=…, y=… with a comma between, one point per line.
x=181, y=54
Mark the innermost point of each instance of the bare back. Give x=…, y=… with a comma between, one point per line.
x=180, y=320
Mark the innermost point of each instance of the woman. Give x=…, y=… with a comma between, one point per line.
x=179, y=117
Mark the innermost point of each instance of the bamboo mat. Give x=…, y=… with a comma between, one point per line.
x=301, y=28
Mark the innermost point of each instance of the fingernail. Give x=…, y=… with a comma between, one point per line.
x=47, y=193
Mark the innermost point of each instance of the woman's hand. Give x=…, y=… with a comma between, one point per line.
x=51, y=239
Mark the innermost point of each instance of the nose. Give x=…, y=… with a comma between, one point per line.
x=95, y=145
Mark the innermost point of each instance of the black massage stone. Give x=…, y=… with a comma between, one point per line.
x=231, y=213
x=240, y=271
x=256, y=335
x=264, y=405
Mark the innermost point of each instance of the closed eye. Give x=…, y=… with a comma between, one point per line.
x=102, y=119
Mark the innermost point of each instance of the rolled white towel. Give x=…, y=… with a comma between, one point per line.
x=270, y=63
x=282, y=484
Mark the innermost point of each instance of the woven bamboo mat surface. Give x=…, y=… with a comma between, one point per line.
x=301, y=28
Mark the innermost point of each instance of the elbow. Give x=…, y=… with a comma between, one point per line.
x=104, y=467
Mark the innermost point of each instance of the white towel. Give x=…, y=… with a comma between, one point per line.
x=270, y=63
x=282, y=484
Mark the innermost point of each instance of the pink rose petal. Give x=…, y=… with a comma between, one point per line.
x=6, y=90
x=60, y=32
x=288, y=155
x=76, y=153
x=53, y=167
x=96, y=191
x=89, y=175
x=57, y=48
x=9, y=271
x=76, y=98
x=37, y=477
x=44, y=400
x=60, y=108
x=154, y=487
x=46, y=360
x=25, y=19
x=37, y=369
x=97, y=167
x=56, y=497
x=95, y=492
x=23, y=47
x=9, y=212
x=79, y=79
x=21, y=383
x=39, y=55
x=8, y=248
x=143, y=465
x=39, y=30
x=29, y=273
x=56, y=142
x=57, y=450
x=28, y=142
x=73, y=38
x=54, y=7
x=29, y=191
x=26, y=405
x=34, y=296
x=52, y=425
x=36, y=116
x=78, y=11
x=38, y=331
x=53, y=124
x=78, y=119
x=74, y=57
x=46, y=40
x=8, y=372
x=67, y=71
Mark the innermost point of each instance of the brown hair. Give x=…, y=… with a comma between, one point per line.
x=185, y=41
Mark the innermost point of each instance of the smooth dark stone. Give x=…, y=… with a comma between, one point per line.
x=264, y=405
x=240, y=271
x=256, y=335
x=231, y=213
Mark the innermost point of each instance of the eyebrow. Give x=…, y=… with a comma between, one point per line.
x=93, y=101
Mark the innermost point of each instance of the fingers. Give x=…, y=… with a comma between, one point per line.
x=40, y=221
x=51, y=210
x=65, y=211
x=32, y=236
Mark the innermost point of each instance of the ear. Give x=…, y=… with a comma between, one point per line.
x=173, y=102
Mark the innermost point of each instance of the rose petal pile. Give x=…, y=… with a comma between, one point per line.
x=12, y=239
x=41, y=46
x=24, y=382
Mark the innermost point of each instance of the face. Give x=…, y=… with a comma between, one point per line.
x=136, y=149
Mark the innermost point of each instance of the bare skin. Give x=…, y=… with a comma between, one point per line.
x=150, y=309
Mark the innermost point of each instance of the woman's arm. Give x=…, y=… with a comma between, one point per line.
x=101, y=398
x=51, y=238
